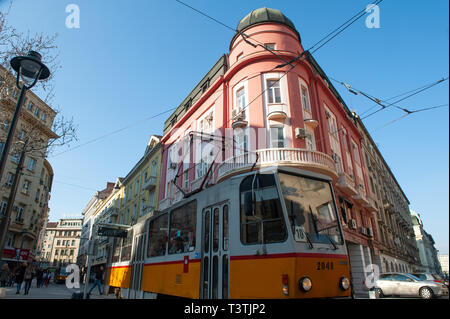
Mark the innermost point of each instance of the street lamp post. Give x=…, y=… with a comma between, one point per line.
x=29, y=69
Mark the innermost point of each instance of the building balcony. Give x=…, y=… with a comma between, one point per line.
x=238, y=118
x=149, y=183
x=345, y=183
x=276, y=111
x=371, y=206
x=170, y=200
x=293, y=157
x=147, y=209
x=361, y=197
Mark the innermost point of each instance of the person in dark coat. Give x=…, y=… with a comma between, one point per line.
x=4, y=275
x=39, y=277
x=19, y=276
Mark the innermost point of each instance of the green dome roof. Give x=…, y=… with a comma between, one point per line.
x=264, y=15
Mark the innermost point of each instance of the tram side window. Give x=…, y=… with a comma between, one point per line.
x=126, y=247
x=157, y=236
x=116, y=250
x=261, y=214
x=183, y=222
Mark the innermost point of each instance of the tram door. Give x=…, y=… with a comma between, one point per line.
x=137, y=264
x=215, y=255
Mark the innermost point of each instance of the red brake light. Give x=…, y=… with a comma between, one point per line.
x=437, y=281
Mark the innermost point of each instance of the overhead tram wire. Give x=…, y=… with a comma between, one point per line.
x=379, y=101
x=410, y=112
x=391, y=98
x=244, y=36
x=113, y=132
x=408, y=96
x=339, y=30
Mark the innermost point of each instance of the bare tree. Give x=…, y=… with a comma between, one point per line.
x=14, y=43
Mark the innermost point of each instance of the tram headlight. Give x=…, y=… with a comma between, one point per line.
x=305, y=284
x=344, y=283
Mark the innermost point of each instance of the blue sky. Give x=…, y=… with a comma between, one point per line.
x=131, y=60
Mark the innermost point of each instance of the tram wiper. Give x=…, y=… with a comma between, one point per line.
x=309, y=240
x=332, y=242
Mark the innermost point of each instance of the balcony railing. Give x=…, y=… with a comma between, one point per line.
x=295, y=157
x=345, y=182
x=149, y=183
x=361, y=197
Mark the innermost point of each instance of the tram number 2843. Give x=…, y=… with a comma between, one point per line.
x=324, y=265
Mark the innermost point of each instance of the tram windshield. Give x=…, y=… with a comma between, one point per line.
x=311, y=210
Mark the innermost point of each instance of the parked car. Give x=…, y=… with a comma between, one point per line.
x=403, y=284
x=429, y=277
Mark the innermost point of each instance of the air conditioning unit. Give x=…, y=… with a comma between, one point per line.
x=352, y=223
x=362, y=230
x=300, y=132
x=369, y=232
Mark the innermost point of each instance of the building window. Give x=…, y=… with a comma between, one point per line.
x=36, y=112
x=21, y=135
x=240, y=98
x=277, y=136
x=186, y=179
x=305, y=98
x=10, y=179
x=270, y=46
x=31, y=164
x=274, y=91
x=205, y=86
x=26, y=186
x=30, y=106
x=241, y=141
x=15, y=157
x=310, y=143
x=5, y=124
x=136, y=189
x=3, y=205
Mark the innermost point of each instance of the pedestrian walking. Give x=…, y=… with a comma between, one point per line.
x=52, y=276
x=4, y=275
x=44, y=277
x=97, y=281
x=47, y=278
x=28, y=277
x=19, y=276
x=39, y=277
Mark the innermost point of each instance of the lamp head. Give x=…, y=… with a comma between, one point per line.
x=30, y=67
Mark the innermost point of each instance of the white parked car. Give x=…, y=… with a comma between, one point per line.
x=403, y=284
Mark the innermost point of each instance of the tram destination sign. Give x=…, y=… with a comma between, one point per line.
x=111, y=232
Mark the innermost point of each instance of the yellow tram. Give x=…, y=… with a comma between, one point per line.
x=271, y=233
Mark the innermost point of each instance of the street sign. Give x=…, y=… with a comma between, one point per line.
x=110, y=232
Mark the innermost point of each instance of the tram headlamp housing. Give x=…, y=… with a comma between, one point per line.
x=305, y=284
x=344, y=283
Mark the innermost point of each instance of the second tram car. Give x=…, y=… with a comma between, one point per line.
x=271, y=233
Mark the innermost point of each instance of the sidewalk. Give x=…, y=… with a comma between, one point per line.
x=53, y=291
